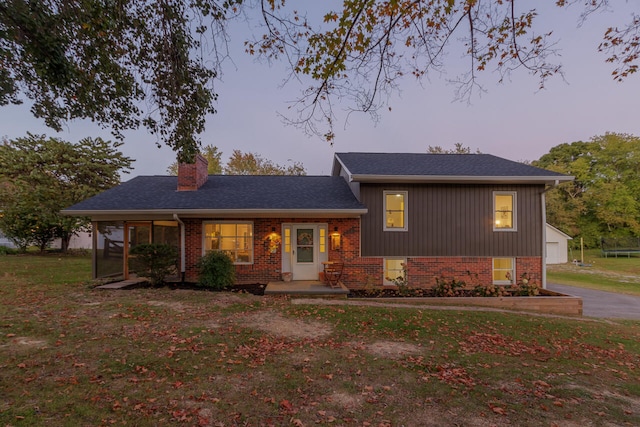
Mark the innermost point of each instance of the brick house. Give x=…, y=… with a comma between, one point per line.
x=382, y=214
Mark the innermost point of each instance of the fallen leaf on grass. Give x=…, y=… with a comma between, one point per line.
x=286, y=405
x=498, y=410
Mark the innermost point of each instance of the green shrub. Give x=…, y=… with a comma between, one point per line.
x=216, y=271
x=7, y=251
x=154, y=261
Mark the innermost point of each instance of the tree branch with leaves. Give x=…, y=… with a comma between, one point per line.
x=361, y=52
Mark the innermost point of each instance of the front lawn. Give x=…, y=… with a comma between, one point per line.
x=71, y=355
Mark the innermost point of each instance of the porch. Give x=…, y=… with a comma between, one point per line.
x=306, y=288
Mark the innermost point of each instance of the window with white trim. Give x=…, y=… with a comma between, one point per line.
x=395, y=210
x=504, y=211
x=233, y=238
x=503, y=271
x=394, y=268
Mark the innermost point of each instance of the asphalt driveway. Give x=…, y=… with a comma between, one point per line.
x=602, y=304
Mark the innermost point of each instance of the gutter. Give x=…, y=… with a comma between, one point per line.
x=460, y=179
x=182, y=246
x=198, y=213
x=544, y=231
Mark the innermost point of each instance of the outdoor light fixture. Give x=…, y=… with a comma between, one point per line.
x=273, y=241
x=335, y=239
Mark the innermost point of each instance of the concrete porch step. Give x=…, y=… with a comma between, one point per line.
x=306, y=288
x=123, y=284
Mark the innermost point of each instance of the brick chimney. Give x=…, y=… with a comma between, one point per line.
x=192, y=176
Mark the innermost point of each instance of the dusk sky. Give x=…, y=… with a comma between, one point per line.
x=514, y=120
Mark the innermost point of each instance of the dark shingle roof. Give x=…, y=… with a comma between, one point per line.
x=226, y=192
x=458, y=166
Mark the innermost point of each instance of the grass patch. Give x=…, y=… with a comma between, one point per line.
x=621, y=275
x=595, y=281
x=51, y=269
x=73, y=355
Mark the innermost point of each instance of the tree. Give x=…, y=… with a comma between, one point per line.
x=41, y=176
x=26, y=226
x=457, y=149
x=213, y=156
x=127, y=64
x=253, y=164
x=242, y=164
x=106, y=60
x=604, y=199
x=361, y=51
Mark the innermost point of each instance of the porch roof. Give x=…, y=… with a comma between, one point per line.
x=224, y=196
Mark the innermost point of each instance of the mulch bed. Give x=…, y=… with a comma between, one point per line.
x=258, y=289
x=254, y=289
x=391, y=293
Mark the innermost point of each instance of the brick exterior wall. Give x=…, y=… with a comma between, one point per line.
x=359, y=271
x=192, y=176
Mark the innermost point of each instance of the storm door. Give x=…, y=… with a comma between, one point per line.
x=305, y=252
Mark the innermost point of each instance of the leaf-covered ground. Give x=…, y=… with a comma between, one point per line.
x=72, y=355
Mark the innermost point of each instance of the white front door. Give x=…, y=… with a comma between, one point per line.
x=305, y=256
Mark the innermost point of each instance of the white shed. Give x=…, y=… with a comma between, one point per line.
x=556, y=247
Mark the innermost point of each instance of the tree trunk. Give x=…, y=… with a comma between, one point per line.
x=64, y=242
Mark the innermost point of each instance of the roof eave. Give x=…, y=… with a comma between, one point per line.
x=130, y=214
x=461, y=179
x=335, y=172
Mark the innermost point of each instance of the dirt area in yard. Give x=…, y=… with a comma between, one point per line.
x=274, y=323
x=26, y=342
x=392, y=349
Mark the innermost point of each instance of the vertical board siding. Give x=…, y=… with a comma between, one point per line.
x=452, y=220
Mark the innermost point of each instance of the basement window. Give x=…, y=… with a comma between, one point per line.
x=503, y=271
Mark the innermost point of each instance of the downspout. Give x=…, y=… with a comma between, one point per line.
x=544, y=232
x=182, y=246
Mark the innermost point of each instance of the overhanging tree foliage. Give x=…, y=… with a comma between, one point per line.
x=106, y=60
x=363, y=50
x=39, y=176
x=604, y=199
x=127, y=64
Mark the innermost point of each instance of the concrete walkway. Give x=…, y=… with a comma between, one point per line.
x=602, y=304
